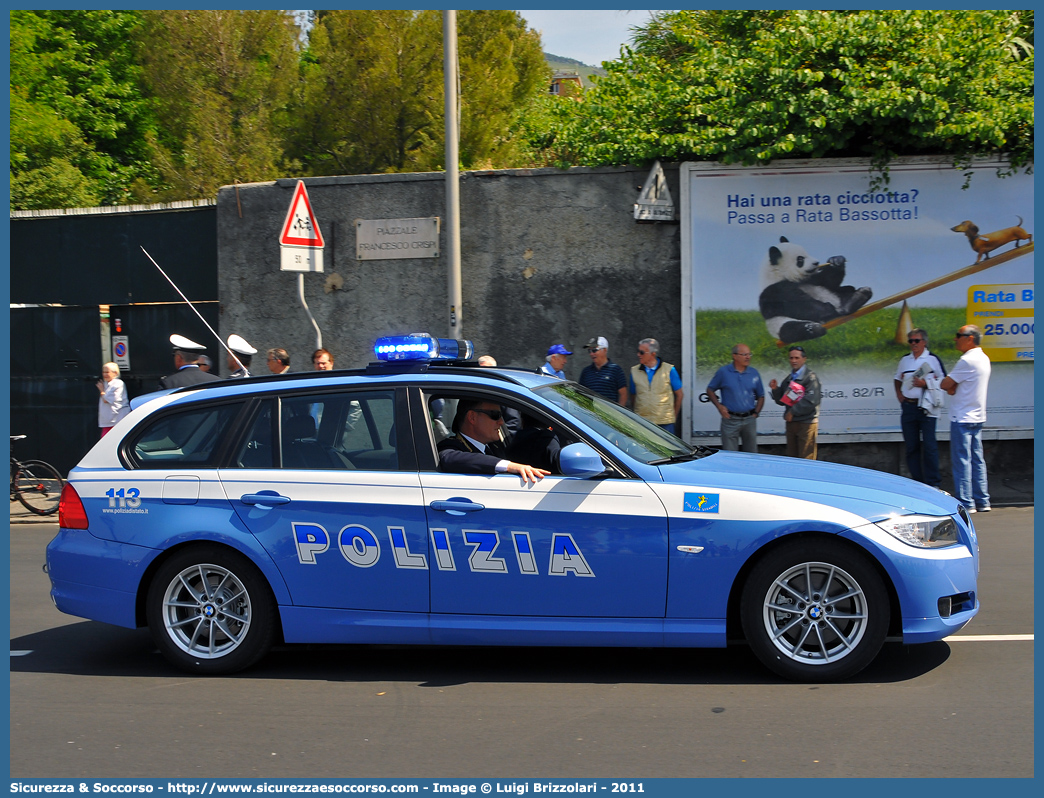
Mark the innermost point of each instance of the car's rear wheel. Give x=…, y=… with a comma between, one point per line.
x=815, y=610
x=211, y=611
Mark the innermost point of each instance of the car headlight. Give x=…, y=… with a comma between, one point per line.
x=923, y=531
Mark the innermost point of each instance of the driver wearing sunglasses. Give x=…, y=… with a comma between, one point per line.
x=476, y=446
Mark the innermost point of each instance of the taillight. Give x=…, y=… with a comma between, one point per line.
x=71, y=514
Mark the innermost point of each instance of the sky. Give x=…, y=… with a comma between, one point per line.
x=587, y=36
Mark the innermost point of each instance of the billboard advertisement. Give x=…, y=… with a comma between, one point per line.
x=812, y=253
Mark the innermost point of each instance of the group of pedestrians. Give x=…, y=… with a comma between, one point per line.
x=920, y=384
x=652, y=387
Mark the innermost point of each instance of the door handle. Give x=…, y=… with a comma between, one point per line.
x=264, y=499
x=457, y=506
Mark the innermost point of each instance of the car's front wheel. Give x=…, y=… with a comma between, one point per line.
x=210, y=611
x=815, y=610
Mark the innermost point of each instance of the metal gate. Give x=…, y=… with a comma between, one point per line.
x=55, y=362
x=56, y=359
x=148, y=329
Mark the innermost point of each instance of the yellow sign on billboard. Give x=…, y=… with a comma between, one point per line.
x=1004, y=313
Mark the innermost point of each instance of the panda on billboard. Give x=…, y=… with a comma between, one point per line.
x=799, y=294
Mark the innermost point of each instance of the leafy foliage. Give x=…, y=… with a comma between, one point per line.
x=752, y=86
x=221, y=81
x=78, y=116
x=115, y=106
x=371, y=93
x=371, y=82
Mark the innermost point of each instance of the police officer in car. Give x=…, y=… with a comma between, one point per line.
x=476, y=447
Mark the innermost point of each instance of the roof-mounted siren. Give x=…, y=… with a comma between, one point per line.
x=421, y=346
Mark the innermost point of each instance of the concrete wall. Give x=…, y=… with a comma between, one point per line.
x=548, y=256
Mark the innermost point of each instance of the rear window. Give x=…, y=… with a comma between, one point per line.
x=188, y=438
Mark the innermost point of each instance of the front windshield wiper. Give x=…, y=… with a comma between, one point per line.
x=697, y=453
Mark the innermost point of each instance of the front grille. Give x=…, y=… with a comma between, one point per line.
x=958, y=602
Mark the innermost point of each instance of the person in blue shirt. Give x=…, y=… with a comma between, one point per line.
x=742, y=396
x=555, y=361
x=655, y=387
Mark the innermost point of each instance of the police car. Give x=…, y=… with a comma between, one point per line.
x=310, y=508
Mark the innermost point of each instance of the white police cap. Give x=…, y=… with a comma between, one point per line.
x=239, y=345
x=186, y=345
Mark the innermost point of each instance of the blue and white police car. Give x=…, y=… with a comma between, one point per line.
x=310, y=508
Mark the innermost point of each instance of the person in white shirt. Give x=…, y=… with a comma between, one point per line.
x=967, y=384
x=112, y=398
x=918, y=373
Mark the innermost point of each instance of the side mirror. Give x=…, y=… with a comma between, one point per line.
x=580, y=460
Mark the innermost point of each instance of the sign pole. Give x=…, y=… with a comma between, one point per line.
x=301, y=247
x=301, y=296
x=449, y=72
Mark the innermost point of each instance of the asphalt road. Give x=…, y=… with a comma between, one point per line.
x=91, y=700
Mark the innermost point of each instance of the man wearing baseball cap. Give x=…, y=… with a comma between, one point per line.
x=603, y=376
x=555, y=361
x=186, y=359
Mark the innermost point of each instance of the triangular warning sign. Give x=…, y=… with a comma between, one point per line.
x=300, y=228
x=655, y=202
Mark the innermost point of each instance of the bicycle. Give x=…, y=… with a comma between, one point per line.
x=36, y=484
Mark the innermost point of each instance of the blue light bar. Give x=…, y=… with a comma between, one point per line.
x=421, y=346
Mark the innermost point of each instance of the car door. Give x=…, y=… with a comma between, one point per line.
x=330, y=489
x=561, y=547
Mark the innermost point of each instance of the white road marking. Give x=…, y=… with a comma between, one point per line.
x=988, y=638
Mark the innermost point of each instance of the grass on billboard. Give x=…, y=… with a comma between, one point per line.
x=867, y=341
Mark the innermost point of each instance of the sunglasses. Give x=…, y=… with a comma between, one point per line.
x=962, y=335
x=640, y=353
x=914, y=340
x=495, y=415
x=797, y=349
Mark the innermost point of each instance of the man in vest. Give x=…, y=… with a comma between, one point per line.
x=655, y=387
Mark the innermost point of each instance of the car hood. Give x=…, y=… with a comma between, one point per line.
x=846, y=487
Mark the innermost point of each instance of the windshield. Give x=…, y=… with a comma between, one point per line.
x=629, y=432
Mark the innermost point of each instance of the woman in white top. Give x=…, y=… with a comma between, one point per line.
x=112, y=401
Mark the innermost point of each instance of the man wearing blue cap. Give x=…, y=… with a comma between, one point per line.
x=554, y=363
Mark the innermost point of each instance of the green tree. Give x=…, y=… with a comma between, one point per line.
x=221, y=81
x=78, y=118
x=371, y=94
x=502, y=74
x=752, y=86
x=370, y=90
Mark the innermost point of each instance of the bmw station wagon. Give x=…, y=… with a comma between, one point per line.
x=310, y=508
